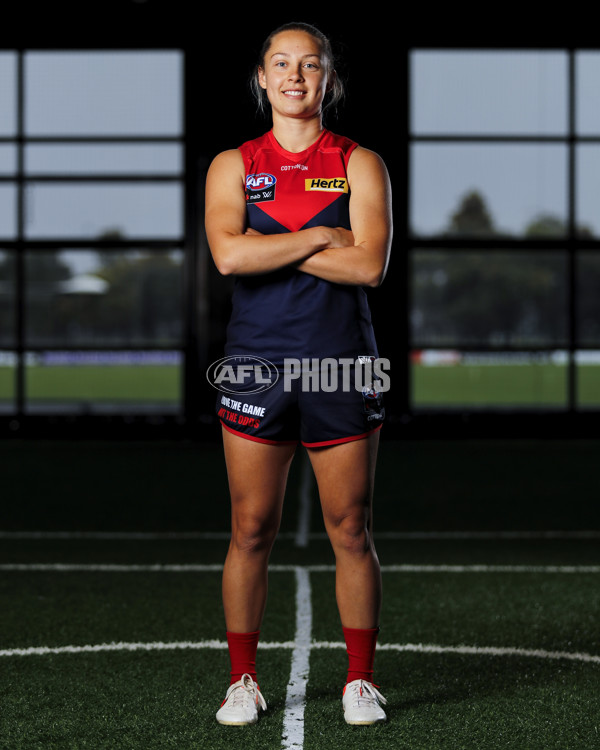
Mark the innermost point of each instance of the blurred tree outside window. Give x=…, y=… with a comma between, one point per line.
x=490, y=201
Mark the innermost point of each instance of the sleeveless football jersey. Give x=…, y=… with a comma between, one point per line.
x=287, y=313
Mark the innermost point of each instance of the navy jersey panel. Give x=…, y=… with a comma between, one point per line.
x=288, y=313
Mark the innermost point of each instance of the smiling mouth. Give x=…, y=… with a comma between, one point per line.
x=294, y=92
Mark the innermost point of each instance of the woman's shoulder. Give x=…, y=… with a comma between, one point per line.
x=367, y=171
x=365, y=158
x=237, y=159
x=229, y=159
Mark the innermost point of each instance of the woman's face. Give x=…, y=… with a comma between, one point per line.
x=295, y=74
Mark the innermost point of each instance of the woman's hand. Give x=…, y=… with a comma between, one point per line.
x=339, y=237
x=333, y=236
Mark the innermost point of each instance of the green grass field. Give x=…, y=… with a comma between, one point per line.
x=536, y=385
x=149, y=383
x=89, y=384
x=112, y=630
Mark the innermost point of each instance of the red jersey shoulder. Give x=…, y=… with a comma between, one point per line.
x=266, y=144
x=258, y=161
x=249, y=149
x=339, y=142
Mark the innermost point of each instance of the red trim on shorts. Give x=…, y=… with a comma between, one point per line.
x=257, y=439
x=339, y=441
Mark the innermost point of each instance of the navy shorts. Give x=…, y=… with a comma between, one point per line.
x=324, y=405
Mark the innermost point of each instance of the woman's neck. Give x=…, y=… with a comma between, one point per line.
x=296, y=135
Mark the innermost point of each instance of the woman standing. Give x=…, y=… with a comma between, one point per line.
x=302, y=218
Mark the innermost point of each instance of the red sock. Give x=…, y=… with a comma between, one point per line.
x=360, y=645
x=242, y=654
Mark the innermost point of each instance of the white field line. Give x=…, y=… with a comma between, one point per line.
x=418, y=648
x=303, y=535
x=295, y=700
x=491, y=535
x=218, y=567
x=126, y=536
x=224, y=535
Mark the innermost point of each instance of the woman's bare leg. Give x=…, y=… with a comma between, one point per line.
x=257, y=477
x=345, y=477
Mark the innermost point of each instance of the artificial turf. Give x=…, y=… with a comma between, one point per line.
x=167, y=698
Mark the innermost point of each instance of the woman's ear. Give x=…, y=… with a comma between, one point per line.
x=331, y=79
x=260, y=75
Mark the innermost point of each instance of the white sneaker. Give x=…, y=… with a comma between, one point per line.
x=242, y=703
x=361, y=703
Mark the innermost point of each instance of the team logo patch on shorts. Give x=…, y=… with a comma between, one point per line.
x=373, y=404
x=260, y=187
x=327, y=184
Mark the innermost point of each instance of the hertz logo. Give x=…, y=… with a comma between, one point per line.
x=327, y=185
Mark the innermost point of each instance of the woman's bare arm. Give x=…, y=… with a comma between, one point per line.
x=365, y=261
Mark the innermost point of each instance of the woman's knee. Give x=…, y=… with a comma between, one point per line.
x=350, y=534
x=251, y=534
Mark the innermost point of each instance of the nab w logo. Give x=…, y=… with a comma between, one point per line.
x=260, y=187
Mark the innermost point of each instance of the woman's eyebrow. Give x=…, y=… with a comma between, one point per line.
x=286, y=54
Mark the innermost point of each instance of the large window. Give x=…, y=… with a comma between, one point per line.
x=91, y=231
x=504, y=229
x=101, y=242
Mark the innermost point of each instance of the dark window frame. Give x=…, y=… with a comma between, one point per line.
x=21, y=420
x=487, y=422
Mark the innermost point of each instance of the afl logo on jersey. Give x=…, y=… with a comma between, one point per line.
x=260, y=187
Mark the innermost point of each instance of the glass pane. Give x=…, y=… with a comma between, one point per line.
x=588, y=378
x=7, y=299
x=486, y=190
x=8, y=159
x=587, y=299
x=103, y=93
x=86, y=298
x=8, y=211
x=125, y=158
x=94, y=209
x=587, y=103
x=103, y=382
x=501, y=380
x=484, y=92
x=8, y=93
x=8, y=365
x=488, y=298
x=588, y=190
